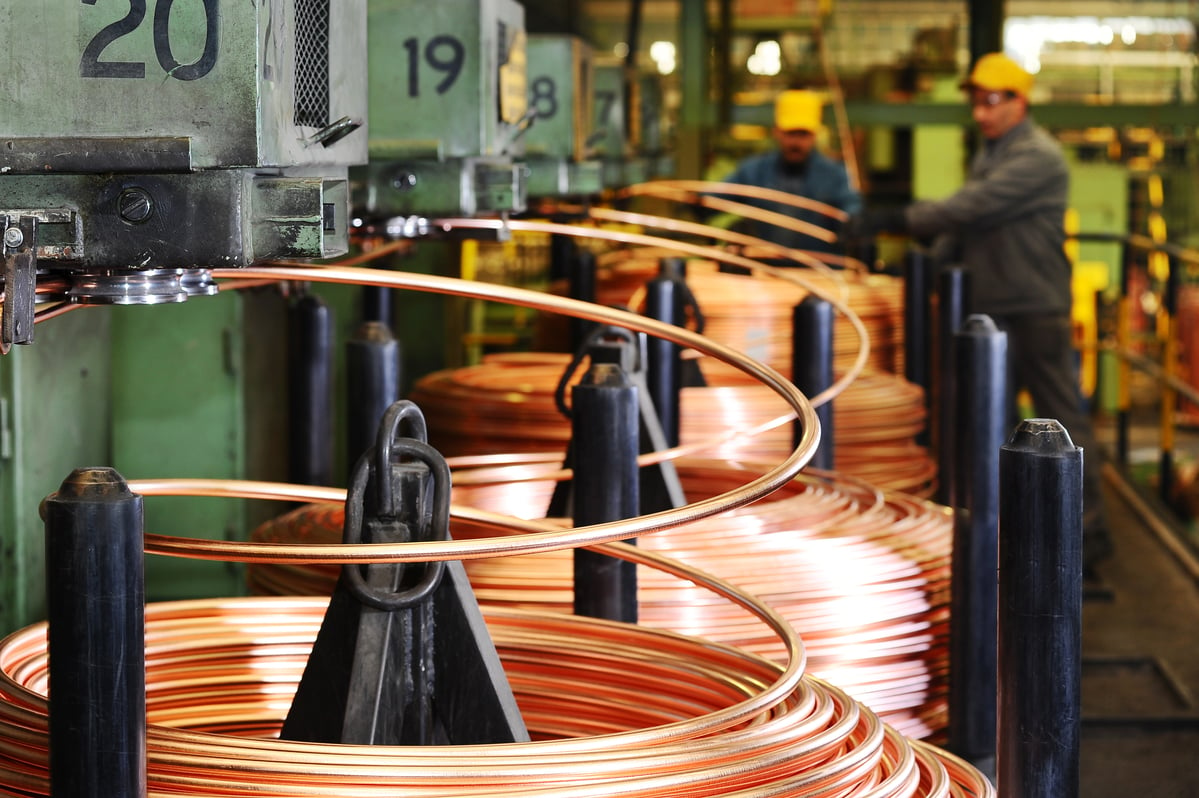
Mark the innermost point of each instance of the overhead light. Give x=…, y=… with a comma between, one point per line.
x=766, y=59
x=663, y=55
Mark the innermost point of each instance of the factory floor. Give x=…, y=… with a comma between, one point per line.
x=1140, y=672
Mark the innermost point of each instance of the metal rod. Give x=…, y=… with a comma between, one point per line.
x=665, y=301
x=605, y=440
x=916, y=313
x=96, y=609
x=562, y=255
x=1123, y=368
x=1169, y=397
x=952, y=308
x=377, y=303
x=981, y=351
x=1040, y=612
x=812, y=367
x=311, y=376
x=372, y=384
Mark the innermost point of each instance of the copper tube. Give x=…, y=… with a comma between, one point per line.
x=656, y=187
x=729, y=236
x=748, y=211
x=506, y=404
x=541, y=541
x=614, y=710
x=755, y=316
x=710, y=253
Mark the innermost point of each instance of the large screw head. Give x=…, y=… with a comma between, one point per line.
x=13, y=237
x=135, y=205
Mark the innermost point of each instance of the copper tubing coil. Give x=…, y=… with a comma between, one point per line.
x=657, y=187
x=506, y=405
x=859, y=340
x=862, y=575
x=540, y=541
x=874, y=427
x=755, y=315
x=613, y=709
x=746, y=210
x=764, y=248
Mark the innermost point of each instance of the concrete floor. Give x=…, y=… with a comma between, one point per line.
x=1140, y=674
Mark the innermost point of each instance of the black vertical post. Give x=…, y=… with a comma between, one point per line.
x=563, y=250
x=986, y=27
x=582, y=287
x=981, y=351
x=311, y=376
x=1122, y=327
x=372, y=383
x=812, y=368
x=1040, y=612
x=665, y=300
x=916, y=338
x=377, y=303
x=604, y=438
x=96, y=610
x=1169, y=396
x=952, y=308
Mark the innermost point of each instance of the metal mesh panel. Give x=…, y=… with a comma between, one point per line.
x=312, y=63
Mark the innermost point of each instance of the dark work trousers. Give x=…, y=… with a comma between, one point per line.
x=1043, y=361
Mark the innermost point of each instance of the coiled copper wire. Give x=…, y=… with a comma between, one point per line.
x=861, y=575
x=614, y=709
x=542, y=541
x=506, y=404
x=859, y=341
x=609, y=707
x=698, y=187
x=755, y=315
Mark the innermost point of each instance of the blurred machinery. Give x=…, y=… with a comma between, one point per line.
x=616, y=125
x=448, y=110
x=560, y=99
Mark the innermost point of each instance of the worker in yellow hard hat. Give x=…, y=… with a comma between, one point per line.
x=797, y=166
x=1005, y=227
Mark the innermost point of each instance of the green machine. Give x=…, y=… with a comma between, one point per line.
x=147, y=138
x=448, y=107
x=654, y=137
x=614, y=127
x=146, y=143
x=560, y=102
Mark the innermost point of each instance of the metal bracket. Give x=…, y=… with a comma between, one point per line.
x=18, y=243
x=403, y=656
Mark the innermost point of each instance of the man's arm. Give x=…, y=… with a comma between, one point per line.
x=1030, y=177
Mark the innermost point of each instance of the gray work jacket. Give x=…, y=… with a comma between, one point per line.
x=1005, y=225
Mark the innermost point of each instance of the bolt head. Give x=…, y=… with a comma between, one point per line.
x=135, y=205
x=13, y=237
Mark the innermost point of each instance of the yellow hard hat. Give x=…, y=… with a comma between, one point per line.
x=798, y=110
x=997, y=72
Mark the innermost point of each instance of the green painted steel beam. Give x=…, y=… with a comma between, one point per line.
x=1053, y=115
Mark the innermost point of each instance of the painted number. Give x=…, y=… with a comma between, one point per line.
x=90, y=65
x=544, y=98
x=436, y=56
